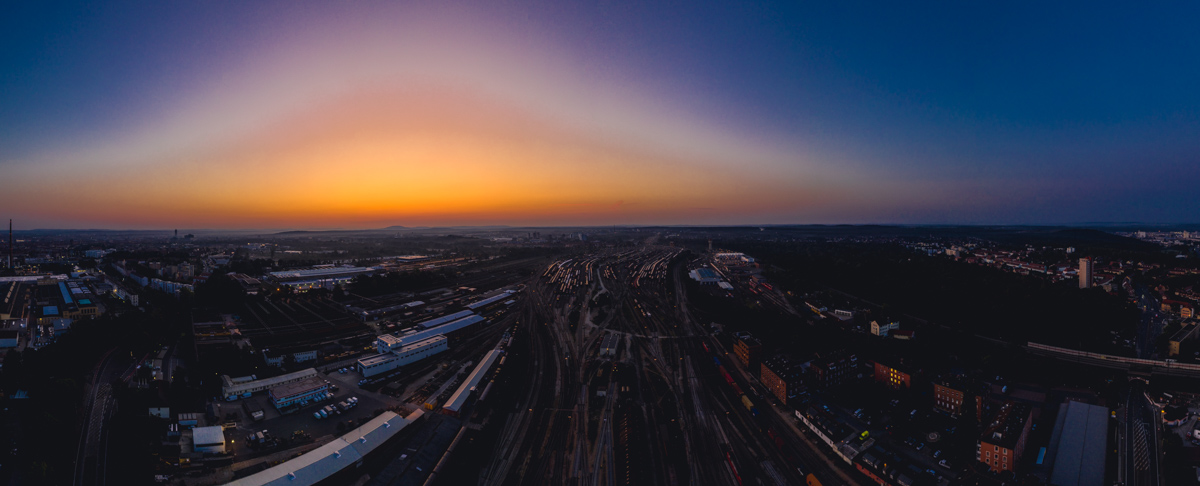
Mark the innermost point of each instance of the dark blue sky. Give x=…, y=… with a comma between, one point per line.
x=948, y=113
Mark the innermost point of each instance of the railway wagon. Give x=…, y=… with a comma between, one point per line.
x=728, y=378
x=749, y=405
x=812, y=480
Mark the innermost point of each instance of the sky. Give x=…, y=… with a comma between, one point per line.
x=364, y=114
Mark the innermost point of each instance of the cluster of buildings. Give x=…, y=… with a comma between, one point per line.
x=422, y=341
x=318, y=277
x=926, y=401
x=40, y=308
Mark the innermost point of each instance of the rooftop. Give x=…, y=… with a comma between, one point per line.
x=208, y=436
x=303, y=386
x=1078, y=445
x=1007, y=426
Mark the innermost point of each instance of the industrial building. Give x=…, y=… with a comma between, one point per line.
x=14, y=302
x=297, y=393
x=1078, y=445
x=608, y=345
x=232, y=388
x=460, y=396
x=385, y=343
x=58, y=301
x=882, y=330
x=704, y=275
x=490, y=300
x=1185, y=333
x=437, y=321
x=9, y=338
x=344, y=454
x=449, y=330
x=397, y=357
x=376, y=314
x=326, y=277
x=209, y=439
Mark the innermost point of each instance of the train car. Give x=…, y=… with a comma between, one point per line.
x=737, y=390
x=812, y=480
x=728, y=379
x=732, y=466
x=716, y=361
x=775, y=438
x=706, y=348
x=749, y=405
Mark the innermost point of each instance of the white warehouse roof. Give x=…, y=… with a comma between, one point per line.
x=208, y=436
x=460, y=396
x=439, y=330
x=329, y=459
x=444, y=319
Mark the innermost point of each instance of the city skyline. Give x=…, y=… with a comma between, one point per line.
x=371, y=115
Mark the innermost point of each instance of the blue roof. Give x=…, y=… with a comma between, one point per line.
x=50, y=310
x=1081, y=446
x=62, y=287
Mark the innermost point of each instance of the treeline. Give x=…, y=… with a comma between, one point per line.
x=964, y=296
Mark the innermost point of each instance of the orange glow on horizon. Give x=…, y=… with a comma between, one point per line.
x=411, y=157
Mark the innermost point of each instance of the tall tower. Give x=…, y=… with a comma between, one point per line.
x=10, y=246
x=1085, y=273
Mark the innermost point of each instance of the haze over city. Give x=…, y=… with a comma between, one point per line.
x=373, y=114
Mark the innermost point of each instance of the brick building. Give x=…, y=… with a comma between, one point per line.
x=830, y=369
x=747, y=349
x=949, y=397
x=784, y=376
x=1003, y=441
x=892, y=376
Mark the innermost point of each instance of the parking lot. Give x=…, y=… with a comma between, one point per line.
x=283, y=426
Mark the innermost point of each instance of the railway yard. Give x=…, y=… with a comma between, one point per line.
x=654, y=409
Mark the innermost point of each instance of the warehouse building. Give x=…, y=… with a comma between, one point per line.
x=1078, y=445
x=437, y=321
x=326, y=277
x=490, y=300
x=334, y=461
x=450, y=330
x=388, y=361
x=608, y=345
x=459, y=398
x=297, y=393
x=232, y=388
x=9, y=338
x=209, y=439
